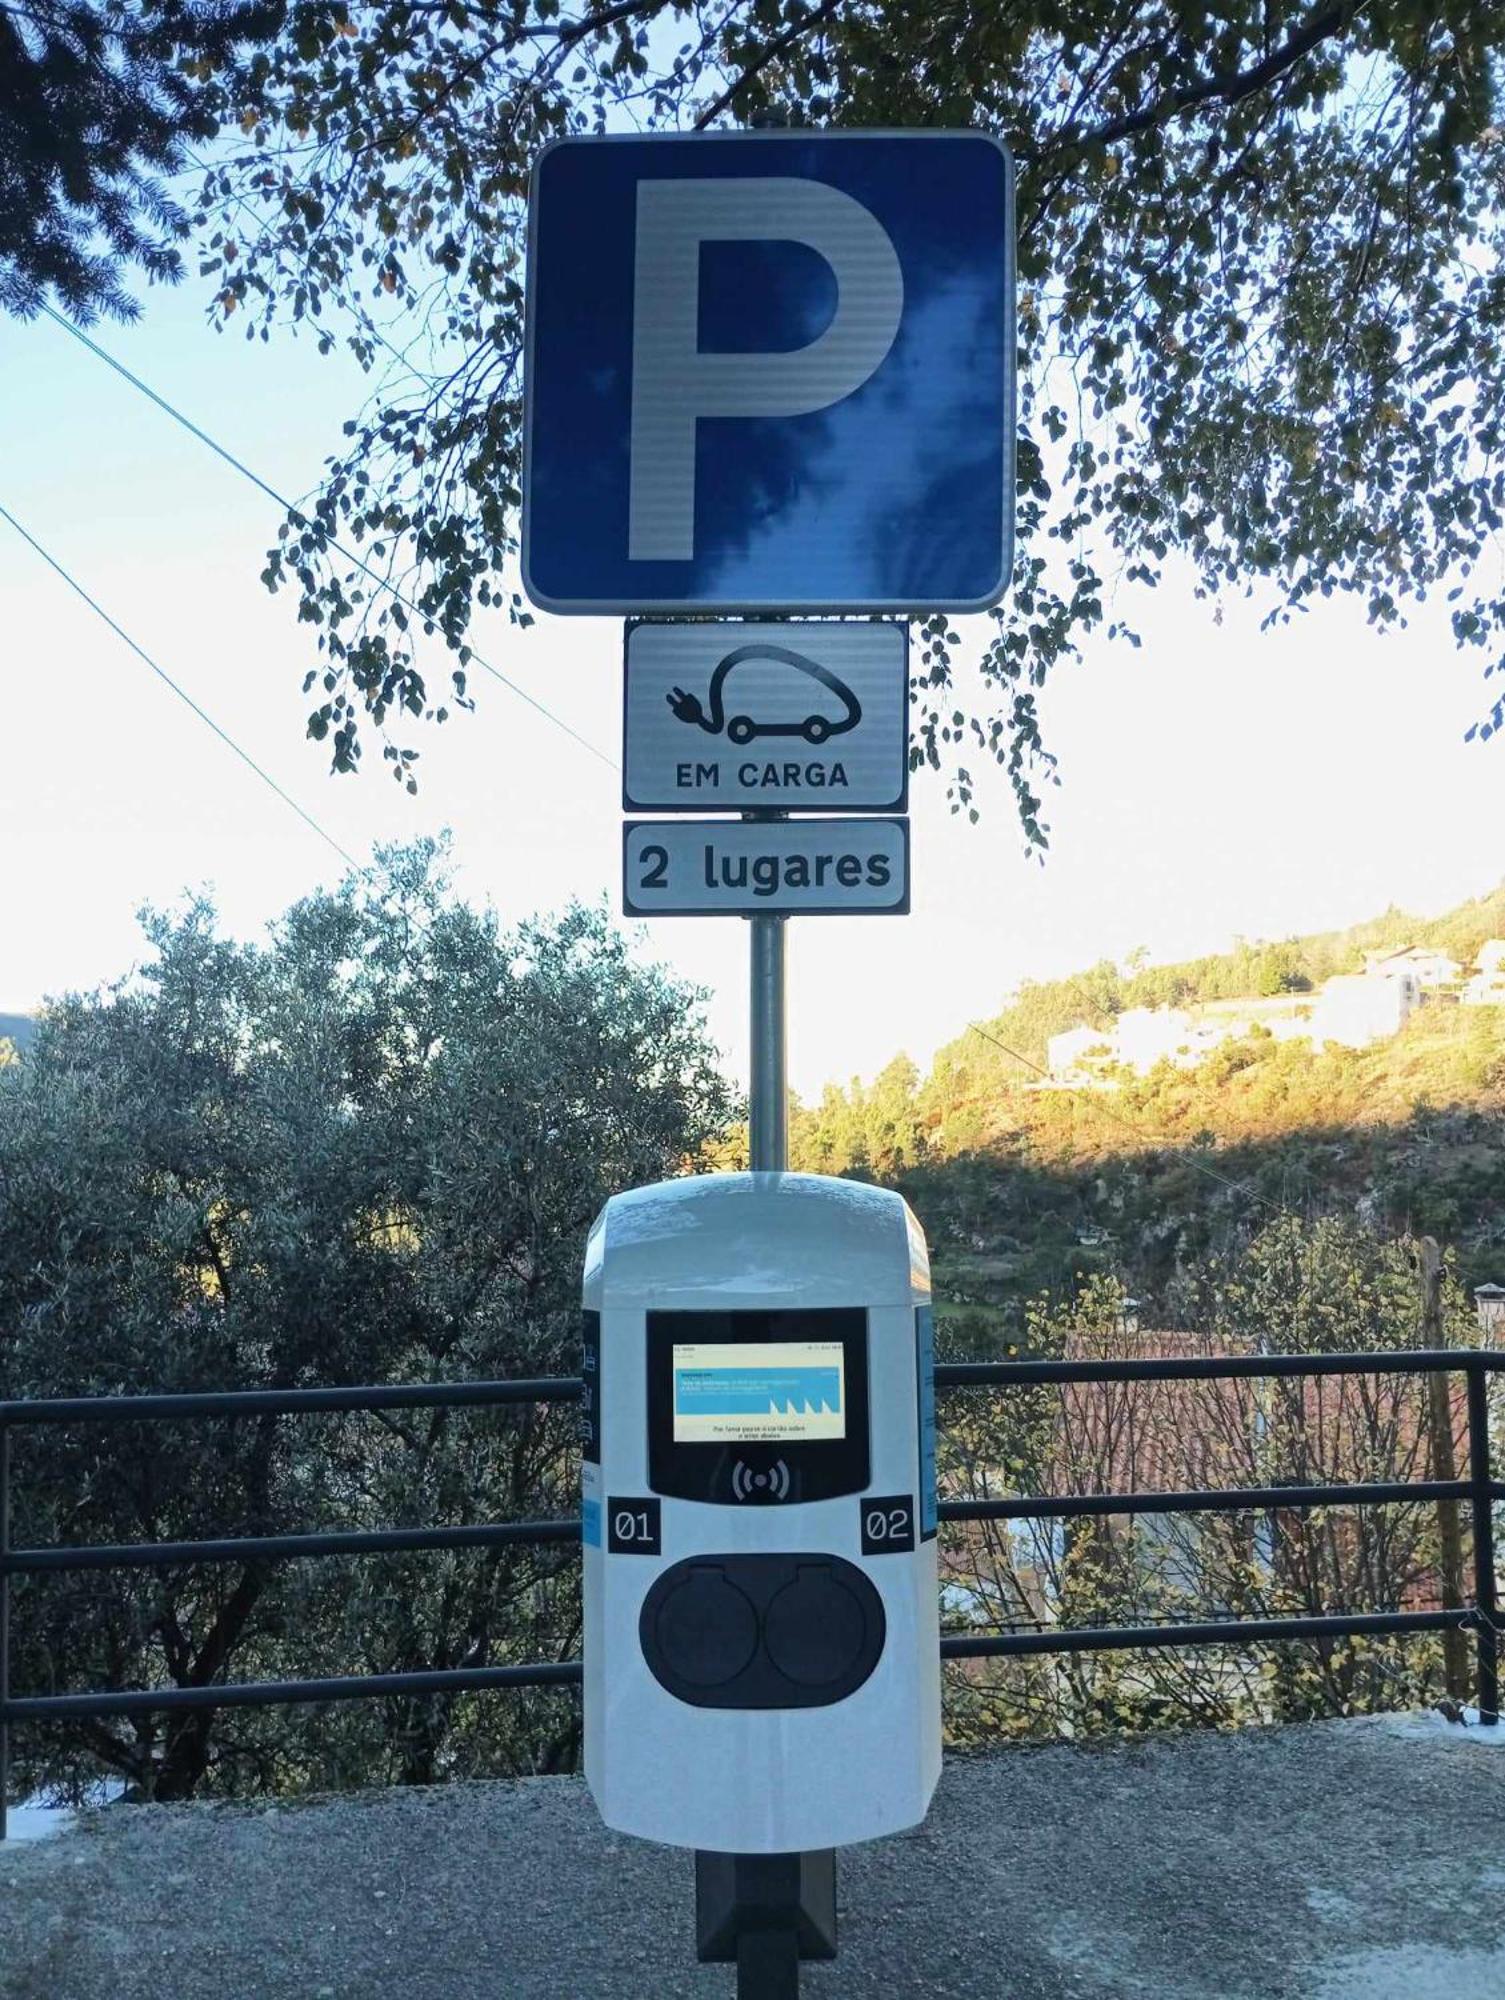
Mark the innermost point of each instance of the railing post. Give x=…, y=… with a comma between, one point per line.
x=1486, y=1595
x=1429, y=1265
x=4, y=1624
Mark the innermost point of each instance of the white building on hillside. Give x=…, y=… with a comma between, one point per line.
x=1427, y=967
x=1489, y=1304
x=1354, y=1009
x=1487, y=987
x=1145, y=1036
x=1071, y=1054
x=1358, y=1008
x=1138, y=1039
x=1283, y=1016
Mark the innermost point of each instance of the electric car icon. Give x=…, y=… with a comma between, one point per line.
x=814, y=727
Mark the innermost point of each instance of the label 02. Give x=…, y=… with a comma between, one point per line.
x=887, y=1524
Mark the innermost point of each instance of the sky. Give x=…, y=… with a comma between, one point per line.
x=1219, y=782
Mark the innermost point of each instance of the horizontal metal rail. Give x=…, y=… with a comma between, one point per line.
x=24, y=1413
x=503, y=1534
x=1210, y=1632
x=278, y=1694
x=270, y=1548
x=287, y=1402
x=568, y=1673
x=1214, y=1367
x=1214, y=1500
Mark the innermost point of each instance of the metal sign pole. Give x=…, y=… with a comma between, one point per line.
x=768, y=1093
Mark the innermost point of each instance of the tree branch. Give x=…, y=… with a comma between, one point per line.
x=569, y=32
x=777, y=47
x=1227, y=87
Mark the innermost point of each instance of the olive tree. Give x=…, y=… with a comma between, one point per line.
x=366, y=1150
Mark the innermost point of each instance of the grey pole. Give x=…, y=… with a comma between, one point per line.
x=771, y=1924
x=768, y=1094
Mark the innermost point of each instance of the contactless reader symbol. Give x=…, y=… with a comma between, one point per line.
x=774, y=1482
x=815, y=727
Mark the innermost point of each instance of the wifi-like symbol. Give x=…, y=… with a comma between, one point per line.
x=776, y=1479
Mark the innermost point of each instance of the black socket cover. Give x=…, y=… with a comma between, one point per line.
x=764, y=1631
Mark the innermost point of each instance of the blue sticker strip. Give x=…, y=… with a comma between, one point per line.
x=590, y=1523
x=924, y=1325
x=590, y=1388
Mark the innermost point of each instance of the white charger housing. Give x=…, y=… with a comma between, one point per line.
x=762, y=1665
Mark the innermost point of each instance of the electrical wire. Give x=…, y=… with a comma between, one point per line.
x=182, y=693
x=365, y=873
x=290, y=507
x=246, y=472
x=1128, y=1124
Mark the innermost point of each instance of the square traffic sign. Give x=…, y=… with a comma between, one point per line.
x=770, y=371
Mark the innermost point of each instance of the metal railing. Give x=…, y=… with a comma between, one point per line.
x=1478, y=1492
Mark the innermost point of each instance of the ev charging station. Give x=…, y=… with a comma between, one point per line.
x=767, y=373
x=762, y=1643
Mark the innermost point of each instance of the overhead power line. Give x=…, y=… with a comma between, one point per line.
x=182, y=693
x=290, y=507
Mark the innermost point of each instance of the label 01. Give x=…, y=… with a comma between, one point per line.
x=633, y=1526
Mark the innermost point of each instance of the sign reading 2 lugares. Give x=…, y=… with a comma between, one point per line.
x=791, y=867
x=770, y=371
x=799, y=716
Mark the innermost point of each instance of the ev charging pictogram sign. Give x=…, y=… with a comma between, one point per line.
x=798, y=716
x=769, y=371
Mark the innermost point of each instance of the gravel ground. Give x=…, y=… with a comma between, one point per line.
x=1335, y=1861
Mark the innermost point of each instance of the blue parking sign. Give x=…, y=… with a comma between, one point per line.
x=770, y=371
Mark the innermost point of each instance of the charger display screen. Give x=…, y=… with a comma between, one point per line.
x=759, y=1392
x=758, y=1407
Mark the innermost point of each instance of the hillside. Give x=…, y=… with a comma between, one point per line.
x=1027, y=1188
x=1099, y=994
x=17, y=1029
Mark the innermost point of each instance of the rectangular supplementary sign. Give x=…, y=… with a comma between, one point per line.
x=769, y=371
x=758, y=1392
x=794, y=717
x=714, y=868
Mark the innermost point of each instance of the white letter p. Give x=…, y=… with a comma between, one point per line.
x=674, y=384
